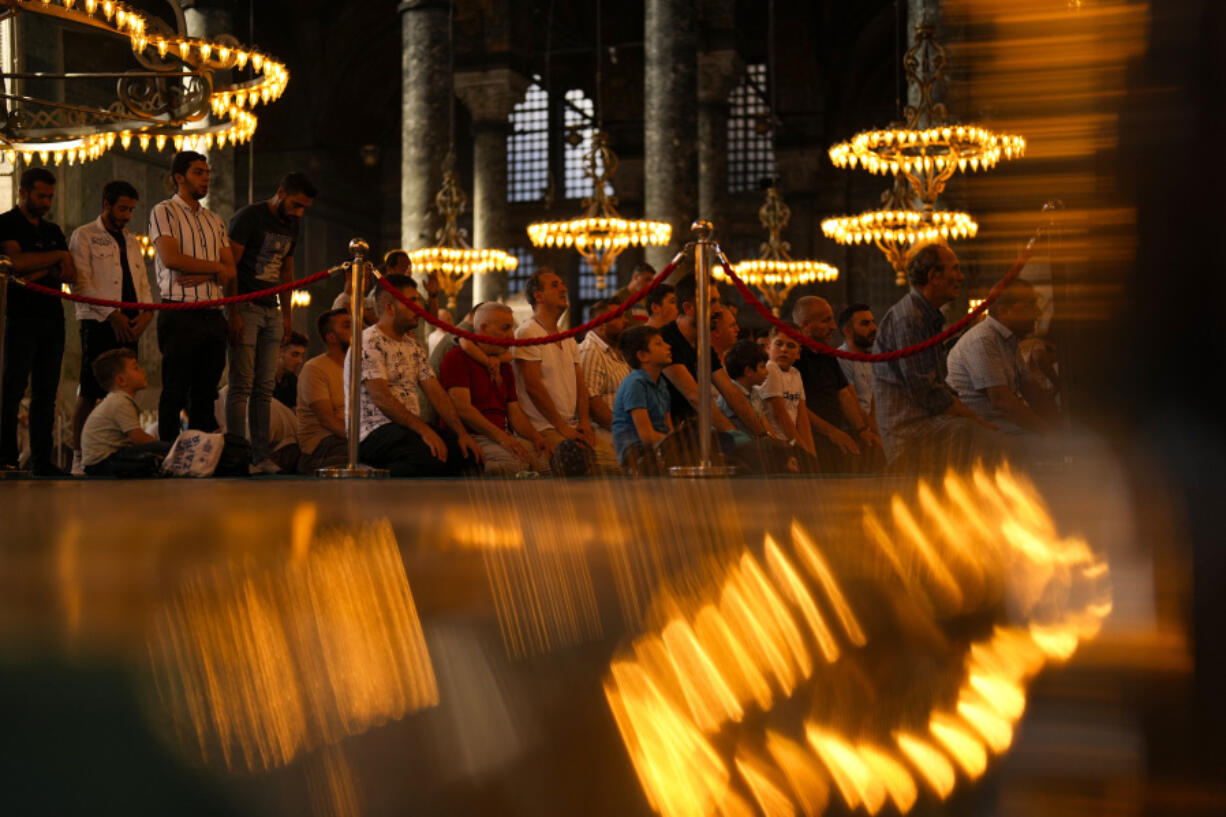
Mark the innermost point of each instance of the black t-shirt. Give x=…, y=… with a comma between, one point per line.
x=686, y=354
x=267, y=241
x=44, y=237
x=823, y=379
x=128, y=287
x=287, y=390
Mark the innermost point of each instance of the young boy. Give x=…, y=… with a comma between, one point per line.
x=745, y=363
x=783, y=393
x=113, y=442
x=641, y=406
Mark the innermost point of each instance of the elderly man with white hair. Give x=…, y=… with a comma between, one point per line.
x=490, y=409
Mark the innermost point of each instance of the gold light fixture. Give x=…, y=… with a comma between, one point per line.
x=923, y=154
x=452, y=259
x=774, y=272
x=601, y=234
x=154, y=108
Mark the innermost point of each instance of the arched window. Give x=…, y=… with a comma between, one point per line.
x=751, y=156
x=580, y=125
x=517, y=277
x=528, y=147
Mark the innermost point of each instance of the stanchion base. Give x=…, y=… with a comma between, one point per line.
x=360, y=472
x=701, y=471
x=13, y=473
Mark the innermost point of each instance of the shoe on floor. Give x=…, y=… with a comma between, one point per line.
x=78, y=467
x=265, y=467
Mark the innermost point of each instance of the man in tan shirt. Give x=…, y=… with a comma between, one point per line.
x=322, y=436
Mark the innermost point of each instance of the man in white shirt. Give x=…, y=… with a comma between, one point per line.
x=548, y=376
x=193, y=263
x=323, y=438
x=392, y=434
x=110, y=265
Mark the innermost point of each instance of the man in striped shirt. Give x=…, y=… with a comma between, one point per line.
x=193, y=264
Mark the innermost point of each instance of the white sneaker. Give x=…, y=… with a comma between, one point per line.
x=264, y=467
x=78, y=467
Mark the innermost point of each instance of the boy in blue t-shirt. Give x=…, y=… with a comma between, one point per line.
x=640, y=409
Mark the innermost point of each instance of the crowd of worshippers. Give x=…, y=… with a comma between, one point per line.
x=624, y=400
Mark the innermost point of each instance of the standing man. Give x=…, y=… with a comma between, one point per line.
x=549, y=376
x=323, y=438
x=34, y=334
x=193, y=263
x=859, y=330
x=262, y=238
x=391, y=432
x=921, y=418
x=110, y=265
x=844, y=439
x=603, y=366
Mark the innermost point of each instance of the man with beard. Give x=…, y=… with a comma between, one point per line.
x=923, y=423
x=110, y=265
x=193, y=263
x=391, y=433
x=262, y=238
x=844, y=439
x=323, y=437
x=34, y=334
x=603, y=368
x=859, y=330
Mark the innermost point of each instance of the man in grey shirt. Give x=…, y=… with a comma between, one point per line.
x=859, y=329
x=922, y=421
x=986, y=369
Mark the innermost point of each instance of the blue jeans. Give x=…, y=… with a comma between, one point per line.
x=253, y=374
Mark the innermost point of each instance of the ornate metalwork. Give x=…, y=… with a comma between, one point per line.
x=177, y=98
x=775, y=215
x=925, y=65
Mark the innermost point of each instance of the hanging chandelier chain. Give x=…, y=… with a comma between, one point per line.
x=925, y=64
x=775, y=215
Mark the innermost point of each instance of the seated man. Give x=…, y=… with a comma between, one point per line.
x=641, y=277
x=392, y=434
x=923, y=423
x=661, y=305
x=323, y=438
x=986, y=368
x=640, y=408
x=859, y=329
x=603, y=367
x=843, y=438
x=289, y=363
x=112, y=441
x=783, y=394
x=491, y=409
x=724, y=329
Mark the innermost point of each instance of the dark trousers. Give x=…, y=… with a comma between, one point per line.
x=33, y=352
x=193, y=346
x=132, y=461
x=405, y=454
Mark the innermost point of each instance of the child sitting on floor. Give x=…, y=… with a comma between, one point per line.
x=641, y=406
x=783, y=393
x=113, y=442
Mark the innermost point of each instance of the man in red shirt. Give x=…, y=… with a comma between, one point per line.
x=488, y=409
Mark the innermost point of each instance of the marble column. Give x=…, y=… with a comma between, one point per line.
x=670, y=112
x=425, y=95
x=490, y=96
x=211, y=20
x=717, y=75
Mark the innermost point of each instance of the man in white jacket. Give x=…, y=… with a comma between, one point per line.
x=110, y=265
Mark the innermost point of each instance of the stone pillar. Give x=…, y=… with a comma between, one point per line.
x=670, y=90
x=717, y=75
x=490, y=96
x=211, y=20
x=425, y=95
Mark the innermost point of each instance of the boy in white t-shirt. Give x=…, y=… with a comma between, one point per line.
x=112, y=441
x=783, y=393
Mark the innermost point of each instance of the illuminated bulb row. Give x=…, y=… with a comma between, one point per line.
x=927, y=151
x=900, y=227
x=599, y=233
x=973, y=304
x=781, y=273
x=457, y=261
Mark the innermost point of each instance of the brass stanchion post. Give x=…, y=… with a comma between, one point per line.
x=357, y=278
x=702, y=272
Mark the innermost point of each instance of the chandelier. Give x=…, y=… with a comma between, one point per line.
x=774, y=272
x=600, y=234
x=923, y=154
x=452, y=259
x=165, y=102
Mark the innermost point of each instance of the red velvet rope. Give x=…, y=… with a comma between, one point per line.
x=612, y=314
x=822, y=348
x=176, y=307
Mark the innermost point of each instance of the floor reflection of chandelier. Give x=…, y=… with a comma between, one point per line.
x=775, y=273
x=600, y=234
x=164, y=102
x=452, y=259
x=924, y=153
